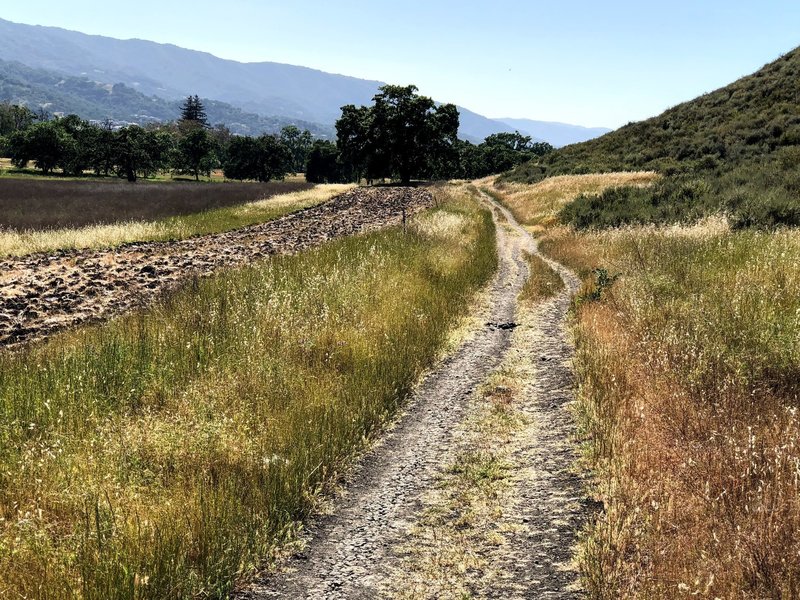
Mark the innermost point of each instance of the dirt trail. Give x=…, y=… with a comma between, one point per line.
x=549, y=497
x=40, y=294
x=351, y=552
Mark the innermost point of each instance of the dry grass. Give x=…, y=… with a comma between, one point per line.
x=167, y=453
x=688, y=367
x=451, y=548
x=543, y=282
x=17, y=243
x=537, y=205
x=689, y=372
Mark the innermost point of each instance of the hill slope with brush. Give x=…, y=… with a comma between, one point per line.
x=735, y=150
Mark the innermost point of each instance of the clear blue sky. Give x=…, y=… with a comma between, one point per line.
x=585, y=62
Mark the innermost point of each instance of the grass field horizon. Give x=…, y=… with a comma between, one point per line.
x=236, y=212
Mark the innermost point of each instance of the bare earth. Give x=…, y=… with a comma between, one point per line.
x=40, y=294
x=356, y=549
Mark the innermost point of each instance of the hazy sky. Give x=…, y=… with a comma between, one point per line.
x=586, y=62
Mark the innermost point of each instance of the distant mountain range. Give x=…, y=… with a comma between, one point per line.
x=154, y=77
x=57, y=93
x=558, y=134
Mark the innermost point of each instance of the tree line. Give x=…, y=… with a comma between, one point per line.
x=188, y=146
x=404, y=136
x=401, y=136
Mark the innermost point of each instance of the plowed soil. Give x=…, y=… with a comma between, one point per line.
x=40, y=294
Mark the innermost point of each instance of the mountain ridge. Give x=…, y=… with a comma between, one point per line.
x=168, y=71
x=58, y=93
x=557, y=133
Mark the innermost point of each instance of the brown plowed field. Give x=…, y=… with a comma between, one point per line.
x=43, y=293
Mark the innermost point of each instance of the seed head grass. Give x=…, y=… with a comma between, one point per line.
x=542, y=283
x=537, y=205
x=689, y=383
x=168, y=453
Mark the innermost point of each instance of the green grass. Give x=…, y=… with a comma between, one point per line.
x=763, y=195
x=167, y=453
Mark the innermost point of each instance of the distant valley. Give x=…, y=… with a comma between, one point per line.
x=67, y=71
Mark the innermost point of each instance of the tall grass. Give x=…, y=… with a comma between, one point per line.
x=166, y=454
x=537, y=205
x=217, y=220
x=689, y=372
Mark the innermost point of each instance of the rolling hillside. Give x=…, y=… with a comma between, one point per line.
x=273, y=92
x=742, y=122
x=55, y=93
x=735, y=150
x=171, y=73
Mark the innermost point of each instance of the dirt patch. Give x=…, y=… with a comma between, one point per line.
x=40, y=294
x=548, y=502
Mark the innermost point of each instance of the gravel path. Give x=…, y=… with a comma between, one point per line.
x=42, y=293
x=349, y=553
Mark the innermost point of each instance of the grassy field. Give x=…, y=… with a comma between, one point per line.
x=688, y=362
x=167, y=453
x=537, y=205
x=36, y=204
x=543, y=282
x=18, y=243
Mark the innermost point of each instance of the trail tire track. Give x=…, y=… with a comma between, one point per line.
x=350, y=552
x=550, y=502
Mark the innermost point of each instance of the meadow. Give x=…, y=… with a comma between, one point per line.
x=538, y=206
x=37, y=204
x=170, y=452
x=688, y=364
x=214, y=220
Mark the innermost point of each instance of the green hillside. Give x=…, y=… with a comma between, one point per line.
x=57, y=93
x=735, y=150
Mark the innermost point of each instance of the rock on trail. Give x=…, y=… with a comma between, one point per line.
x=42, y=293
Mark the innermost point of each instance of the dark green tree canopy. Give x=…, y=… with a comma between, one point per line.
x=263, y=158
x=15, y=118
x=325, y=164
x=140, y=152
x=193, y=111
x=47, y=144
x=195, y=155
x=402, y=135
x=299, y=145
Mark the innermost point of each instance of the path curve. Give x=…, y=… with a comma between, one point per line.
x=348, y=552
